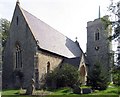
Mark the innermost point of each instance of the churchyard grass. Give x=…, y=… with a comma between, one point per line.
x=62, y=92
x=10, y=92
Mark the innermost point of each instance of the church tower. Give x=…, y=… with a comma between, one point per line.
x=98, y=45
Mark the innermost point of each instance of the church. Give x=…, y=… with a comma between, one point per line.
x=35, y=48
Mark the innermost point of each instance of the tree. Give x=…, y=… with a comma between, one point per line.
x=114, y=9
x=4, y=26
x=116, y=75
x=64, y=76
x=98, y=80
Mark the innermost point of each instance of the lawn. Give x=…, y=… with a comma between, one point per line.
x=112, y=91
x=11, y=93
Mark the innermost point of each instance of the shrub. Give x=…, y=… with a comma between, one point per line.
x=65, y=76
x=116, y=75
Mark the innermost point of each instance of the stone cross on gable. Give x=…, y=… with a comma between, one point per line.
x=18, y=2
x=76, y=38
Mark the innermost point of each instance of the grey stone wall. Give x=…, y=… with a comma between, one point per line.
x=43, y=59
x=19, y=32
x=102, y=55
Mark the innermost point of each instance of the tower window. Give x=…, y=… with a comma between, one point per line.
x=17, y=20
x=97, y=35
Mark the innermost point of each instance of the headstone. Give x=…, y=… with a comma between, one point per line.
x=76, y=89
x=17, y=82
x=86, y=90
x=31, y=88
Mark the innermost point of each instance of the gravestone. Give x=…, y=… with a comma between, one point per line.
x=86, y=90
x=76, y=89
x=31, y=88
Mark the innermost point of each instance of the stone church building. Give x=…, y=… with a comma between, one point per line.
x=35, y=48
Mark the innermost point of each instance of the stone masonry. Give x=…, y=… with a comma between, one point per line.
x=98, y=45
x=21, y=56
x=43, y=60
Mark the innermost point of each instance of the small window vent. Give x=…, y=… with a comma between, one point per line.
x=17, y=19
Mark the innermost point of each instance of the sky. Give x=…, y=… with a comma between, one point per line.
x=69, y=17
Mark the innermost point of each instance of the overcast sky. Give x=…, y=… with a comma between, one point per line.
x=69, y=17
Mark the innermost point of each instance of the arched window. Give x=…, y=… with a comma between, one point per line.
x=18, y=56
x=48, y=67
x=97, y=36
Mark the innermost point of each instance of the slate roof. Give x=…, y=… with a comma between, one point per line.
x=50, y=39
